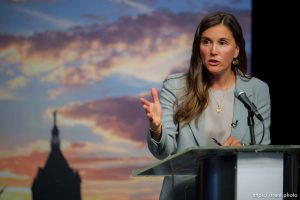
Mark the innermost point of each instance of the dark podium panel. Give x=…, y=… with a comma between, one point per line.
x=235, y=173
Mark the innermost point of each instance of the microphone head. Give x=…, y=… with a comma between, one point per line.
x=238, y=92
x=241, y=95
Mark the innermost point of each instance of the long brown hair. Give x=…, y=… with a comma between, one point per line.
x=195, y=100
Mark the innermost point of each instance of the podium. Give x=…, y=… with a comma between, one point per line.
x=235, y=173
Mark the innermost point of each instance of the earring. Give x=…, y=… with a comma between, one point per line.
x=235, y=61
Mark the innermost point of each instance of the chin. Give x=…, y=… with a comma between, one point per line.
x=214, y=70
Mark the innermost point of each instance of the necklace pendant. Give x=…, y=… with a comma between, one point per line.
x=219, y=109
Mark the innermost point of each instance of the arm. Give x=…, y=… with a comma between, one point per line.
x=263, y=104
x=167, y=144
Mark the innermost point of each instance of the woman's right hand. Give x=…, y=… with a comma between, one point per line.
x=154, y=113
x=232, y=141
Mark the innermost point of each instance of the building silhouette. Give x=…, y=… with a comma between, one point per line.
x=57, y=180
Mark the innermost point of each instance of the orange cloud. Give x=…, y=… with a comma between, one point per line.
x=21, y=166
x=21, y=169
x=123, y=117
x=148, y=44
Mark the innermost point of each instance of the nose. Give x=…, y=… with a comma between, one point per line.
x=213, y=49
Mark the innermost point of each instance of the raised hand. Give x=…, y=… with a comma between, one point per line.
x=154, y=113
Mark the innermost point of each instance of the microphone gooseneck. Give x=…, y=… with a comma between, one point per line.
x=252, y=110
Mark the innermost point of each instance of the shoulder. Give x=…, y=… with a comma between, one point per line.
x=253, y=86
x=177, y=76
x=251, y=82
x=175, y=81
x=174, y=85
x=260, y=89
x=259, y=82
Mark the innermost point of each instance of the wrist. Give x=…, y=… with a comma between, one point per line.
x=156, y=133
x=156, y=130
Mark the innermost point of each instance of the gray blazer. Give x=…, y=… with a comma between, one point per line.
x=176, y=137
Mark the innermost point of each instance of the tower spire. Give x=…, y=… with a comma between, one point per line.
x=54, y=117
x=55, y=134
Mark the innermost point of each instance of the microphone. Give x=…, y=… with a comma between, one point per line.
x=241, y=95
x=234, y=124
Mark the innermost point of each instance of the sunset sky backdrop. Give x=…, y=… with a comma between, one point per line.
x=91, y=61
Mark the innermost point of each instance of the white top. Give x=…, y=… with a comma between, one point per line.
x=218, y=115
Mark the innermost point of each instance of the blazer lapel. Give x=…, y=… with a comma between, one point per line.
x=198, y=133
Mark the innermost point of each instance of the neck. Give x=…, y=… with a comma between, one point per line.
x=222, y=81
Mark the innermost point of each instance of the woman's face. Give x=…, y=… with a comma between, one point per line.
x=217, y=49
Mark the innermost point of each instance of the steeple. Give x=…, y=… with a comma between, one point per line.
x=55, y=143
x=56, y=180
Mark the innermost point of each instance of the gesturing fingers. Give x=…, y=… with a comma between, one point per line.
x=145, y=101
x=146, y=105
x=153, y=108
x=154, y=94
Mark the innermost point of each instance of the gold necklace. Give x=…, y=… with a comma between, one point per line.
x=219, y=108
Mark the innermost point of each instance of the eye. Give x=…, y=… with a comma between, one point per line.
x=205, y=41
x=223, y=42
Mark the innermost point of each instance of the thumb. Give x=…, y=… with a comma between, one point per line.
x=154, y=94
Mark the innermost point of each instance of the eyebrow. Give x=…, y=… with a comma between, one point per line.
x=220, y=39
x=223, y=38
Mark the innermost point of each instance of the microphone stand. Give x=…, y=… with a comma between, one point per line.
x=251, y=126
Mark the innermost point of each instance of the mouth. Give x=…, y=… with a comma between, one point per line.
x=213, y=62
